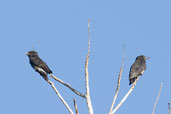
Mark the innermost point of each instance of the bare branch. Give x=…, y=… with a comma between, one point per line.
x=125, y=97
x=60, y=97
x=32, y=47
x=161, y=85
x=75, y=105
x=89, y=37
x=67, y=85
x=88, y=100
x=169, y=107
x=119, y=79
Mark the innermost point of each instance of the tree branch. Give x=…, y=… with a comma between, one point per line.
x=125, y=97
x=32, y=47
x=67, y=85
x=161, y=85
x=169, y=107
x=75, y=105
x=88, y=100
x=119, y=79
x=60, y=97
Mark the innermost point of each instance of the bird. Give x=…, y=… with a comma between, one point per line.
x=38, y=64
x=137, y=68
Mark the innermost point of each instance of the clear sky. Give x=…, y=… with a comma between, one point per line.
x=58, y=31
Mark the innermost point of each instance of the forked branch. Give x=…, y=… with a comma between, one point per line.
x=67, y=85
x=125, y=97
x=118, y=84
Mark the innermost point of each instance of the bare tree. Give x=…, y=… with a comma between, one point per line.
x=87, y=97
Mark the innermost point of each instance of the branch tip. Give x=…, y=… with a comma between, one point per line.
x=88, y=99
x=75, y=106
x=119, y=79
x=161, y=85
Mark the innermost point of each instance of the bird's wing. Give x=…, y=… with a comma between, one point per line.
x=41, y=72
x=38, y=62
x=44, y=66
x=131, y=72
x=135, y=71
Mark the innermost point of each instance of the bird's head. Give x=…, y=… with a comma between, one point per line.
x=143, y=57
x=31, y=53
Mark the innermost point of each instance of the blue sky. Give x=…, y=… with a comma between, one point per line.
x=58, y=30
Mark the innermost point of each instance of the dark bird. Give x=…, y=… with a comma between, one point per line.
x=38, y=64
x=137, y=68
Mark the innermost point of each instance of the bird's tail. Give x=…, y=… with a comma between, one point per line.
x=44, y=75
x=132, y=80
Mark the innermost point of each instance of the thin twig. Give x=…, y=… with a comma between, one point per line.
x=169, y=107
x=75, y=105
x=32, y=47
x=88, y=100
x=67, y=85
x=161, y=85
x=125, y=97
x=60, y=97
x=119, y=79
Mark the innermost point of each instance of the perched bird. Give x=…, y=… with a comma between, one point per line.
x=38, y=64
x=137, y=68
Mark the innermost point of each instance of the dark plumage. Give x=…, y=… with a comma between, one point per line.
x=137, y=68
x=38, y=64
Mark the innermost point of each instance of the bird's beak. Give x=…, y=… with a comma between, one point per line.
x=147, y=58
x=27, y=54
